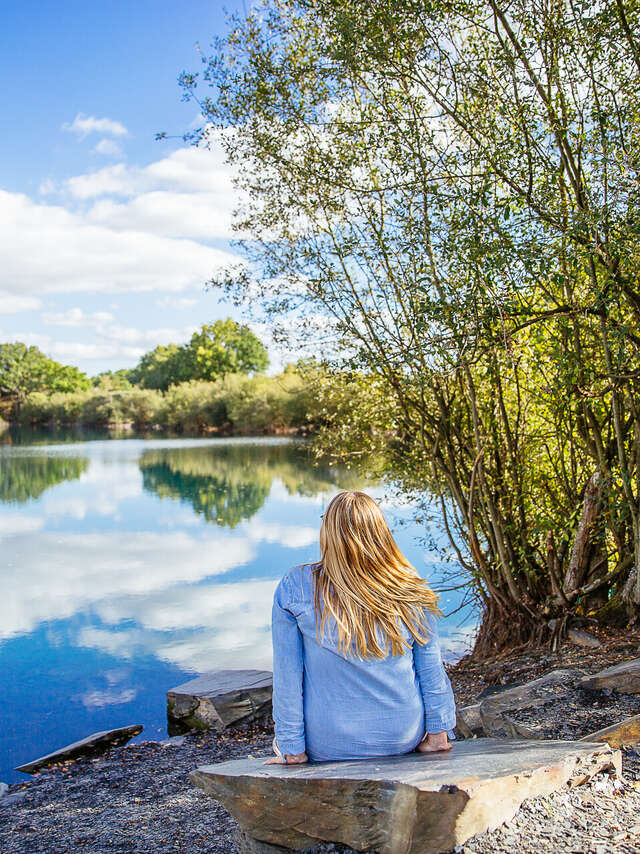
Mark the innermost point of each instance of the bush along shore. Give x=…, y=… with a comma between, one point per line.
x=138, y=798
x=233, y=404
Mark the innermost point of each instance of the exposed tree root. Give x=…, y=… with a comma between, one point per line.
x=506, y=631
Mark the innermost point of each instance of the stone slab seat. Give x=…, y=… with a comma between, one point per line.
x=410, y=804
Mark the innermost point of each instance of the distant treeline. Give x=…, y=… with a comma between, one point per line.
x=213, y=383
x=230, y=404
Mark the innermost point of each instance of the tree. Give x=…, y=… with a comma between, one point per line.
x=162, y=367
x=453, y=189
x=227, y=347
x=220, y=348
x=114, y=380
x=25, y=369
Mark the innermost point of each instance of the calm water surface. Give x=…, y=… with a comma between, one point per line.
x=127, y=566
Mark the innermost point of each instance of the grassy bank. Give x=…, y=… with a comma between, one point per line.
x=230, y=404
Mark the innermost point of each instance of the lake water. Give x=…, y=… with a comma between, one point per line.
x=128, y=565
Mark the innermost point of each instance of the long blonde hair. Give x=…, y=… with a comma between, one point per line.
x=365, y=582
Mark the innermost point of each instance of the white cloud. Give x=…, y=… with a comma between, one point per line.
x=45, y=248
x=77, y=317
x=213, y=610
x=106, y=346
x=106, y=181
x=108, y=147
x=99, y=490
x=178, y=303
x=14, y=303
x=196, y=215
x=84, y=125
x=119, y=229
x=189, y=193
x=109, y=339
x=196, y=170
x=47, y=187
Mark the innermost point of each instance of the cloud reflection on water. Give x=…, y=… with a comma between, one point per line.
x=159, y=591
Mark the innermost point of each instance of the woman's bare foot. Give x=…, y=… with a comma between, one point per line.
x=434, y=743
x=292, y=759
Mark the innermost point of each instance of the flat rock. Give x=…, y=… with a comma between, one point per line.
x=494, y=710
x=623, y=677
x=584, y=639
x=410, y=804
x=219, y=699
x=97, y=742
x=623, y=733
x=14, y=798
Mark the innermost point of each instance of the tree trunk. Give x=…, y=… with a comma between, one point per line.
x=587, y=547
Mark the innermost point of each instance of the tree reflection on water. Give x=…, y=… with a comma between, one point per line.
x=25, y=478
x=228, y=484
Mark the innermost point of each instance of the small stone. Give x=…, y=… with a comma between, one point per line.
x=13, y=798
x=469, y=721
x=584, y=639
x=4, y=788
x=174, y=741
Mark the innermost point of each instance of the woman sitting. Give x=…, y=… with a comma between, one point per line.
x=357, y=670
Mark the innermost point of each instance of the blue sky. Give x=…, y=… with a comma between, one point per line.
x=107, y=236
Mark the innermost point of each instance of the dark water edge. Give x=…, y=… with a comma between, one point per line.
x=13, y=434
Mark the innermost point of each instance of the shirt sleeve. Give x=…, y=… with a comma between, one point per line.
x=288, y=714
x=437, y=694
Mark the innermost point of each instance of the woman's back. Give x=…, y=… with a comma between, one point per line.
x=337, y=706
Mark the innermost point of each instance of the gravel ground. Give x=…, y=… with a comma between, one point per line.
x=136, y=798
x=578, y=713
x=139, y=799
x=598, y=817
x=473, y=679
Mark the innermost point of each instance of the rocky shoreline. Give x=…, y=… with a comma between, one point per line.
x=138, y=798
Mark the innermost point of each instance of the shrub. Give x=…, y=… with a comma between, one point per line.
x=103, y=408
x=141, y=406
x=193, y=406
x=36, y=409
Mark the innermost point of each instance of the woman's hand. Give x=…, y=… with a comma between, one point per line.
x=292, y=759
x=435, y=742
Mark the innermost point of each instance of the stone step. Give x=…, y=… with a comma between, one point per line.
x=219, y=699
x=410, y=804
x=97, y=742
x=620, y=734
x=623, y=677
x=495, y=709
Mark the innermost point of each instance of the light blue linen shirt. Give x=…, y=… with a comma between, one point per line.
x=334, y=707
